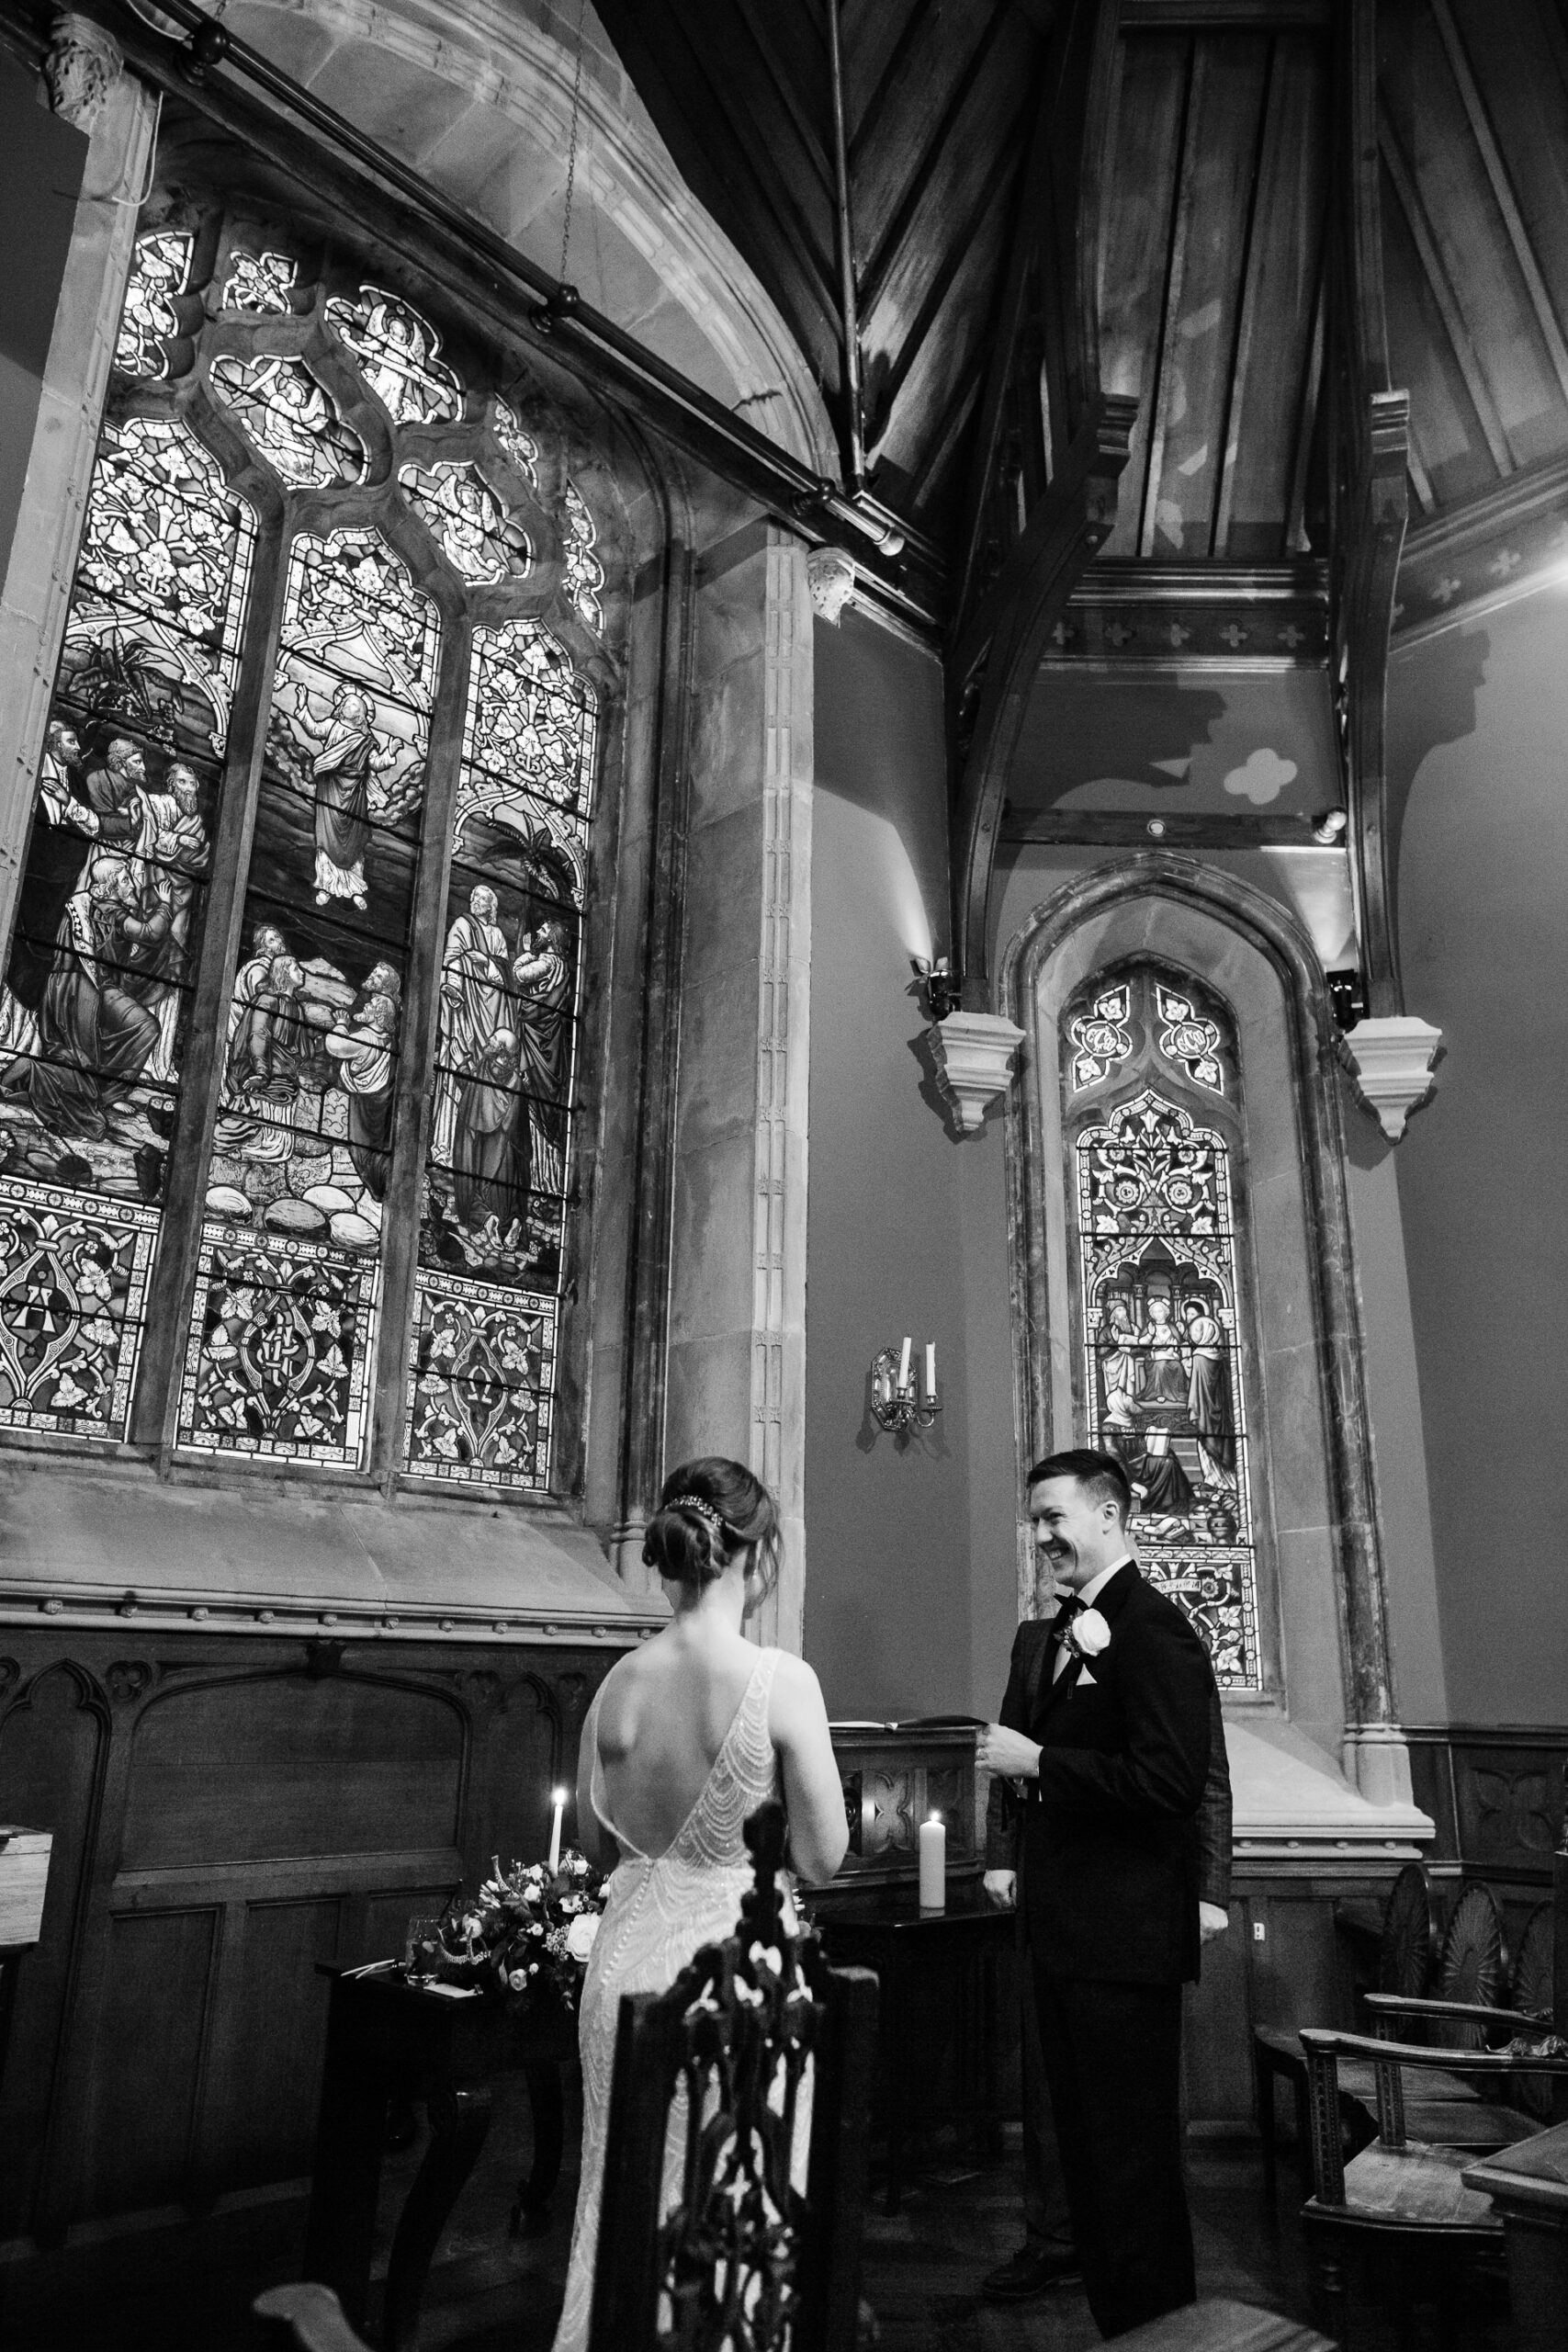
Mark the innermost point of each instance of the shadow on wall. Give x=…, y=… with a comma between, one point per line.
x=1429, y=706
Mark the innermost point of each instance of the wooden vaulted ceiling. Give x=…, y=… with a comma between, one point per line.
x=939, y=100
x=1213, y=202
x=1473, y=138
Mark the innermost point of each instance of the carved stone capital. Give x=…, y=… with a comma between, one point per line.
x=974, y=1054
x=1390, y=1060
x=83, y=65
x=830, y=576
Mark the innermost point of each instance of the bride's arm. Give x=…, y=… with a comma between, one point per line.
x=814, y=1795
x=591, y=1837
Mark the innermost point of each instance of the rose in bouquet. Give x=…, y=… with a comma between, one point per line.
x=528, y=1931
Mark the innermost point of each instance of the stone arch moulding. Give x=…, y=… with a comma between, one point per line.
x=481, y=104
x=1317, y=1503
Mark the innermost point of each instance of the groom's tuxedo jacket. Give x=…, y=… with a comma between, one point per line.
x=1129, y=1825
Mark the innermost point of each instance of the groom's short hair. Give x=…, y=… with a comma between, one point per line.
x=1100, y=1475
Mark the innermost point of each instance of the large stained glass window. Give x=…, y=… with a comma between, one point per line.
x=419, y=646
x=1150, y=1060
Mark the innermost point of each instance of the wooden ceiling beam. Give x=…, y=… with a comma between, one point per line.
x=1503, y=191
x=1371, y=473
x=1004, y=167
x=1444, y=296
x=778, y=74
x=954, y=416
x=876, y=105
x=874, y=276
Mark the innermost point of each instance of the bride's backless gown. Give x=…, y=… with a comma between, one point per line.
x=661, y=1909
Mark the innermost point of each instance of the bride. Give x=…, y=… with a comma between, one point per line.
x=687, y=1737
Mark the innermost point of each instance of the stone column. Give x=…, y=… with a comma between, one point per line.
x=87, y=87
x=737, y=1361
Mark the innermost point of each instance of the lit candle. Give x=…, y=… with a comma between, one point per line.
x=554, y=1829
x=903, y=1366
x=934, y=1864
x=931, y=1372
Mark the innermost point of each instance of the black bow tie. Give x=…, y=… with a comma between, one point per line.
x=1070, y=1608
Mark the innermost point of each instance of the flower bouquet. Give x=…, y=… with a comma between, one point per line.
x=527, y=1932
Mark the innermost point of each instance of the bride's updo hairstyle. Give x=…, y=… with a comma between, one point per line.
x=709, y=1511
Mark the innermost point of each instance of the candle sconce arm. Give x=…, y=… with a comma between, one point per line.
x=896, y=1402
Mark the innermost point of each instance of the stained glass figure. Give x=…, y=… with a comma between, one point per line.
x=291, y=418
x=519, y=446
x=302, y=1143
x=1099, y=1039
x=1190, y=1039
x=584, y=573
x=397, y=350
x=159, y=271
x=468, y=522
x=259, y=281
x=499, y=1164
x=108, y=920
x=1153, y=1243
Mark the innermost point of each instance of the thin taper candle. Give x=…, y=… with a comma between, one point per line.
x=554, y=1829
x=903, y=1366
x=931, y=1372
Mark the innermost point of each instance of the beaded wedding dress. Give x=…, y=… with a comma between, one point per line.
x=661, y=1909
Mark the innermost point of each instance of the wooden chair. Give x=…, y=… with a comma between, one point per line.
x=742, y=2256
x=1398, y=2193
x=1406, y=1951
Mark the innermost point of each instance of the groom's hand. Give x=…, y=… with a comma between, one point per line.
x=1001, y=1886
x=1008, y=1753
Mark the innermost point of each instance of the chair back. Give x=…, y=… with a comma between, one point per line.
x=1406, y=1947
x=732, y=2252
x=1473, y=1965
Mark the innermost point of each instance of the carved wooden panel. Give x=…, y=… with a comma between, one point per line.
x=228, y=1813
x=894, y=1778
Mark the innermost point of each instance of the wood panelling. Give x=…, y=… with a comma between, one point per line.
x=147, y=2034
x=1213, y=213
x=1497, y=1798
x=392, y=1757
x=229, y=1812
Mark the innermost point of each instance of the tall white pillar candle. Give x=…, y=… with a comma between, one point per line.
x=903, y=1366
x=931, y=1372
x=554, y=1829
x=934, y=1864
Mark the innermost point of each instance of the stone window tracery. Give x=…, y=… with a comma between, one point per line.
x=1158, y=1266
x=416, y=842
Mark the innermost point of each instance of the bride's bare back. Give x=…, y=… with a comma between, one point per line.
x=662, y=1717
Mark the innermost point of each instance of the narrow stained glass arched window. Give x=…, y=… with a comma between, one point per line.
x=1148, y=1058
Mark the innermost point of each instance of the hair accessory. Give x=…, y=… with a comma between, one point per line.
x=703, y=1509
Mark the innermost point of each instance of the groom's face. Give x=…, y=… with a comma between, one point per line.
x=1074, y=1536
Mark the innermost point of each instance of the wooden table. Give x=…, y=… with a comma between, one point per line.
x=911, y=1950
x=1529, y=2187
x=391, y=2042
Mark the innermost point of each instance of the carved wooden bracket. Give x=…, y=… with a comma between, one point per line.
x=1069, y=526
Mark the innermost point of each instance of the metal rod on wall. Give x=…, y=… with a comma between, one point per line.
x=844, y=223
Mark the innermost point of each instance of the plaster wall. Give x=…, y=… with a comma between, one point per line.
x=1478, y=716
x=910, y=1607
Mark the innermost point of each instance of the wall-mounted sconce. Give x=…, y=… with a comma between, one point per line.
x=939, y=986
x=895, y=1404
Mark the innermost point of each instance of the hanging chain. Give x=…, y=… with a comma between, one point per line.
x=571, y=144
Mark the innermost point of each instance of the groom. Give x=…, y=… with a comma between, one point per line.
x=1111, y=1770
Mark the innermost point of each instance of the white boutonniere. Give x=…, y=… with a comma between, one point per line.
x=1088, y=1634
